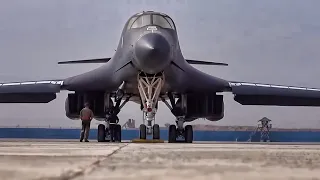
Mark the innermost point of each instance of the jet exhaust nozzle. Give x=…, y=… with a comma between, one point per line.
x=152, y=53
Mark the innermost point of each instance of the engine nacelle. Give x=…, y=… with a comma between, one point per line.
x=71, y=107
x=202, y=105
x=75, y=102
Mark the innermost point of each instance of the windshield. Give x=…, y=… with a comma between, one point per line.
x=162, y=21
x=151, y=19
x=141, y=21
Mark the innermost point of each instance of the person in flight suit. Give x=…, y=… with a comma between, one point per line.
x=86, y=116
x=113, y=121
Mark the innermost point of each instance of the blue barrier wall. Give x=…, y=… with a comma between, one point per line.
x=49, y=133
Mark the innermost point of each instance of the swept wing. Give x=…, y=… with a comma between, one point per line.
x=247, y=93
x=30, y=92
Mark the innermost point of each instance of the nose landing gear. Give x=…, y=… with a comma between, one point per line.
x=149, y=89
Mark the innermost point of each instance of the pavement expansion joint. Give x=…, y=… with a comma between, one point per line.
x=81, y=171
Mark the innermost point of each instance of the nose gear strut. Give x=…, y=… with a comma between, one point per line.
x=149, y=88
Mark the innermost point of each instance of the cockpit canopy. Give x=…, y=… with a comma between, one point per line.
x=146, y=19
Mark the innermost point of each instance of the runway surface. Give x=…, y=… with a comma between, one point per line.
x=69, y=159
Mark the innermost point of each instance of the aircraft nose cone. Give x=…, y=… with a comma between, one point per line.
x=152, y=52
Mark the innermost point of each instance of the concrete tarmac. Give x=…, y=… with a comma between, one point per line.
x=69, y=159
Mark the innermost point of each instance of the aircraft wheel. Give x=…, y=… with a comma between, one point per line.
x=188, y=134
x=101, y=133
x=143, y=131
x=118, y=133
x=107, y=139
x=172, y=134
x=156, y=131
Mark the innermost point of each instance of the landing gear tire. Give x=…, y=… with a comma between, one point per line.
x=156, y=131
x=118, y=133
x=172, y=134
x=143, y=131
x=101, y=133
x=188, y=134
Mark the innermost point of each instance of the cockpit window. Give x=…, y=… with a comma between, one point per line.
x=150, y=19
x=143, y=20
x=161, y=21
x=131, y=21
x=171, y=22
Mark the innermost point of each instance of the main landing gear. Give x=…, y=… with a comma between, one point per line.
x=149, y=88
x=104, y=131
x=178, y=131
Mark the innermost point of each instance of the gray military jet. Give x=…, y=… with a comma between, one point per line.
x=148, y=67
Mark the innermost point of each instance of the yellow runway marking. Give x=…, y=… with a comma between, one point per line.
x=147, y=141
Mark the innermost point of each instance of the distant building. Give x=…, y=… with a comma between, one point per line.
x=131, y=123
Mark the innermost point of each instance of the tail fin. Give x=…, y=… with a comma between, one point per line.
x=101, y=60
x=190, y=61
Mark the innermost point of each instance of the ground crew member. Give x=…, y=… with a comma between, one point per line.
x=113, y=121
x=86, y=116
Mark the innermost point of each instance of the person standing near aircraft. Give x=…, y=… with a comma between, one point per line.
x=86, y=116
x=113, y=121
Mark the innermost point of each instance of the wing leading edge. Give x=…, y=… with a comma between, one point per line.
x=192, y=61
x=276, y=95
x=30, y=92
x=85, y=61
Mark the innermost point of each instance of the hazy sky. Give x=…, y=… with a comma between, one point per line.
x=262, y=41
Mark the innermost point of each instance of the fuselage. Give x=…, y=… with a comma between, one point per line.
x=148, y=44
x=149, y=47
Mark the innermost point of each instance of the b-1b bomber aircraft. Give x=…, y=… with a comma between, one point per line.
x=147, y=67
